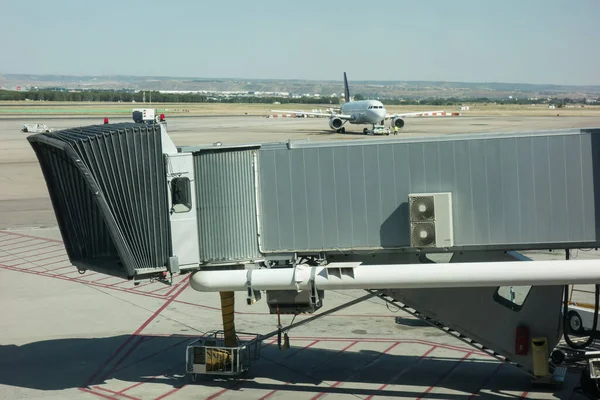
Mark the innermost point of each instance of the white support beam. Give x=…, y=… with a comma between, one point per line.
x=341, y=276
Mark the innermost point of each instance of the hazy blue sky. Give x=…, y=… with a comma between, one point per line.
x=529, y=41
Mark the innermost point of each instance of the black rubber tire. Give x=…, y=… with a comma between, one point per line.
x=558, y=357
x=574, y=317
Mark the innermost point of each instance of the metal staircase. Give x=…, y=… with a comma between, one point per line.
x=449, y=331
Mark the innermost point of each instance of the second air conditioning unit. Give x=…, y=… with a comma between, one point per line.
x=431, y=223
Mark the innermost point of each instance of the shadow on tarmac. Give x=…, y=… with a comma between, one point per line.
x=71, y=363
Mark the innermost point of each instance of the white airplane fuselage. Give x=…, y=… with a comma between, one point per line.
x=364, y=111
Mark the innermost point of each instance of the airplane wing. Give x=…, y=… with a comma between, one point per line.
x=318, y=114
x=419, y=114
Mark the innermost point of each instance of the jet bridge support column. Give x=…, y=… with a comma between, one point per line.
x=228, y=313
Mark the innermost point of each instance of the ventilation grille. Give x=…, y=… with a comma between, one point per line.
x=423, y=234
x=422, y=208
x=431, y=222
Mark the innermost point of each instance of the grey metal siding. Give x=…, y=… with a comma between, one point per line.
x=226, y=197
x=515, y=190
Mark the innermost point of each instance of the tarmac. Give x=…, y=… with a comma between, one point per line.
x=69, y=335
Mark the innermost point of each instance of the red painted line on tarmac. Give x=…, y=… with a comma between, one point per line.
x=78, y=280
x=13, y=240
x=143, y=326
x=31, y=245
x=58, y=269
x=220, y=392
x=43, y=259
x=272, y=392
x=106, y=277
x=115, y=354
x=444, y=376
x=169, y=301
x=174, y=288
x=196, y=305
x=127, y=354
x=87, y=275
x=266, y=313
x=400, y=341
x=45, y=253
x=54, y=262
x=311, y=344
x=81, y=275
x=97, y=394
x=179, y=343
x=134, y=335
x=119, y=283
x=170, y=392
x=405, y=370
x=524, y=395
x=489, y=378
x=141, y=286
x=158, y=290
x=356, y=371
x=215, y=395
x=119, y=394
x=392, y=340
x=23, y=235
x=153, y=377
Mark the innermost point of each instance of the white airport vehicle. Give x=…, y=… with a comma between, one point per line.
x=36, y=128
x=361, y=112
x=146, y=116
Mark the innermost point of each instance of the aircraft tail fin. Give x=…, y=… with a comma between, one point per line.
x=346, y=89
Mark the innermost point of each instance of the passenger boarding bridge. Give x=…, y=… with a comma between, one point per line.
x=434, y=224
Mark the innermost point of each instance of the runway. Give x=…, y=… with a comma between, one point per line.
x=67, y=335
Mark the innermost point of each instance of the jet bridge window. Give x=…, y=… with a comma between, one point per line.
x=181, y=195
x=512, y=297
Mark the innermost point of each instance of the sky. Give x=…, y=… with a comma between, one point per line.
x=516, y=41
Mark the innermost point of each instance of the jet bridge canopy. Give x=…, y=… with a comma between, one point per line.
x=107, y=186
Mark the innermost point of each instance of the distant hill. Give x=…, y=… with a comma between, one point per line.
x=368, y=88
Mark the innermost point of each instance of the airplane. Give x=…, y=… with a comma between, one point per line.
x=357, y=112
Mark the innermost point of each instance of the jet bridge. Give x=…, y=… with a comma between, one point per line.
x=296, y=219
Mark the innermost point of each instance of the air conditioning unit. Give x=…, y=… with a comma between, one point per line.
x=431, y=223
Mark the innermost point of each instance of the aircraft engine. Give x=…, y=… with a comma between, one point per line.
x=398, y=122
x=336, y=123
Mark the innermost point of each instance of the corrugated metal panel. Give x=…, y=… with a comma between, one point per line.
x=516, y=190
x=108, y=187
x=226, y=195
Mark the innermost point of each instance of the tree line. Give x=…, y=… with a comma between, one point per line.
x=158, y=97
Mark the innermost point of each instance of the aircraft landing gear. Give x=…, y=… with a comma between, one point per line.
x=366, y=131
x=341, y=130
